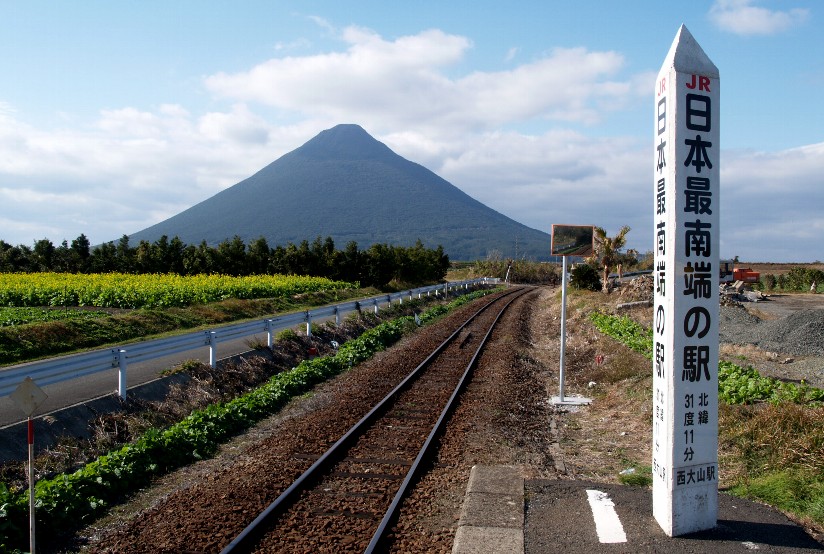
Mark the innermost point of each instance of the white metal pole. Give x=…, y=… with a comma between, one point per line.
x=121, y=373
x=213, y=349
x=563, y=327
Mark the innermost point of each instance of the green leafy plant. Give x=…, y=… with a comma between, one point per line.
x=10, y=316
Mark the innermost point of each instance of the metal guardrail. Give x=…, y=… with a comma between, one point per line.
x=66, y=368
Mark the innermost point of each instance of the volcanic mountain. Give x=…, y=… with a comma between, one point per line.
x=345, y=184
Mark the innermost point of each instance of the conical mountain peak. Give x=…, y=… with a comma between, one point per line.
x=345, y=184
x=346, y=141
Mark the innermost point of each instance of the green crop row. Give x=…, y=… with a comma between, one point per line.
x=736, y=384
x=21, y=316
x=625, y=331
x=121, y=290
x=65, y=501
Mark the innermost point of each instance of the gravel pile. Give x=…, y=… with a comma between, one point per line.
x=640, y=288
x=799, y=334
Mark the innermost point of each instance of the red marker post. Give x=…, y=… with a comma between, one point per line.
x=28, y=396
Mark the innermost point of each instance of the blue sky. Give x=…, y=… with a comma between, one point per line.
x=116, y=115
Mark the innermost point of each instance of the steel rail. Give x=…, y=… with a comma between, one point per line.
x=246, y=539
x=391, y=514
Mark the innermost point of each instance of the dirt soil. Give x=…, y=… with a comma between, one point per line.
x=778, y=268
x=782, y=305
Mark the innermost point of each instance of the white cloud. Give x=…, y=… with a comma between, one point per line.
x=405, y=83
x=558, y=177
x=294, y=45
x=134, y=168
x=743, y=18
x=771, y=204
x=239, y=126
x=770, y=201
x=323, y=23
x=130, y=169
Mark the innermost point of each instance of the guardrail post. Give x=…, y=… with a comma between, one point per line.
x=308, y=323
x=121, y=373
x=446, y=290
x=213, y=349
x=337, y=317
x=269, y=328
x=376, y=305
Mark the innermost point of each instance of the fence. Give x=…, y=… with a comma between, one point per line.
x=65, y=368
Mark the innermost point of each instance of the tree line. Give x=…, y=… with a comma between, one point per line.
x=797, y=279
x=376, y=266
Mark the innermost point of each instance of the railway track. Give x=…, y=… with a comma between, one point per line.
x=349, y=497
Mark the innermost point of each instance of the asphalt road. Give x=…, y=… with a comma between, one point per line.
x=559, y=518
x=782, y=305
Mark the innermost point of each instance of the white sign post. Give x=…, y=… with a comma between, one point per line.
x=569, y=240
x=685, y=334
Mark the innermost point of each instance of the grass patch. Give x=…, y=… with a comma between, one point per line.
x=798, y=493
x=636, y=476
x=773, y=437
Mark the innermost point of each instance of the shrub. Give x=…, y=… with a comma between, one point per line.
x=585, y=277
x=286, y=335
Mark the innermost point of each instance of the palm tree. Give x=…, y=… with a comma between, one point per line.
x=607, y=251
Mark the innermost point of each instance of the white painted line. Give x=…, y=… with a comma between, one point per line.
x=607, y=524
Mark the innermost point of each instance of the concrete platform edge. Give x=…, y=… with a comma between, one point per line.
x=492, y=516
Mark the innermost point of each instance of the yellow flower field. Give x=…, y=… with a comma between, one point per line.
x=120, y=290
